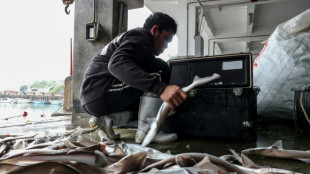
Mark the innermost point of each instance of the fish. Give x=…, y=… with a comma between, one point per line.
x=236, y=156
x=35, y=142
x=41, y=145
x=77, y=131
x=171, y=170
x=95, y=158
x=99, y=146
x=130, y=163
x=165, y=110
x=84, y=142
x=105, y=138
x=151, y=153
x=197, y=157
x=117, y=151
x=185, y=161
x=42, y=168
x=2, y=136
x=249, y=166
x=84, y=131
x=276, y=151
x=56, y=146
x=4, y=147
x=206, y=166
x=8, y=168
x=20, y=152
x=81, y=168
x=211, y=164
x=19, y=144
x=229, y=158
x=7, y=139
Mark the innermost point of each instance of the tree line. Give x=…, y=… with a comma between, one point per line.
x=51, y=87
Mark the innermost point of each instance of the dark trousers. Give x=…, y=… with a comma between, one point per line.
x=115, y=101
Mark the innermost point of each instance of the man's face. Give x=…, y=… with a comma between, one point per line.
x=161, y=39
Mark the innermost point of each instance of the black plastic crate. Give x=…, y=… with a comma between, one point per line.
x=236, y=70
x=221, y=113
x=225, y=107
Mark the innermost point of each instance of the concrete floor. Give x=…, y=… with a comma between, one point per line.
x=268, y=133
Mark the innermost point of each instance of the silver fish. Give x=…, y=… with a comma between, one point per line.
x=42, y=168
x=185, y=160
x=19, y=144
x=129, y=148
x=276, y=151
x=19, y=152
x=206, y=166
x=7, y=139
x=197, y=157
x=4, y=147
x=95, y=158
x=130, y=163
x=41, y=145
x=8, y=168
x=164, y=110
x=84, y=142
x=85, y=168
x=249, y=166
x=171, y=170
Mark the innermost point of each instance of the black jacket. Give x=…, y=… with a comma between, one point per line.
x=128, y=59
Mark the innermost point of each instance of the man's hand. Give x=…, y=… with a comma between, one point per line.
x=173, y=95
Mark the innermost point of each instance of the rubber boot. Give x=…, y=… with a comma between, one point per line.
x=106, y=123
x=121, y=118
x=148, y=109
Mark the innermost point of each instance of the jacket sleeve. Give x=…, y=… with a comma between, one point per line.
x=128, y=65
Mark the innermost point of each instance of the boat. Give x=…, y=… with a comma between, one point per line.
x=39, y=102
x=6, y=100
x=20, y=100
x=55, y=102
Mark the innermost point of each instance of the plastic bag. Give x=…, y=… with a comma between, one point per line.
x=283, y=63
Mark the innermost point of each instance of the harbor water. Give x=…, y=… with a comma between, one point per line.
x=27, y=115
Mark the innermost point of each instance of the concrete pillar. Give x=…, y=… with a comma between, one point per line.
x=107, y=11
x=67, y=104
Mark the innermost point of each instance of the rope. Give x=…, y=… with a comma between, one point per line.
x=6, y=118
x=60, y=106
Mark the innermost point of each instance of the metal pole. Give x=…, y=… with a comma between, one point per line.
x=94, y=10
x=70, y=56
x=121, y=17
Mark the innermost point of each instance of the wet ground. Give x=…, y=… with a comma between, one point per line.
x=268, y=133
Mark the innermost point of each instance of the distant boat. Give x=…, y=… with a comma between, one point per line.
x=55, y=102
x=38, y=102
x=6, y=100
x=20, y=100
x=47, y=103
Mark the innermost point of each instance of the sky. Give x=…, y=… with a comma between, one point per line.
x=35, y=41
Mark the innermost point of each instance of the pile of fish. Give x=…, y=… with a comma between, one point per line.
x=71, y=153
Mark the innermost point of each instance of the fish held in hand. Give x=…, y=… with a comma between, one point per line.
x=165, y=110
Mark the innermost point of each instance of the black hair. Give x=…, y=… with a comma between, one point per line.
x=164, y=22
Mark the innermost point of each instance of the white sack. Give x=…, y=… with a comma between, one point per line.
x=283, y=63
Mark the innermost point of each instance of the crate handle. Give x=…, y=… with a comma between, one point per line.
x=303, y=108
